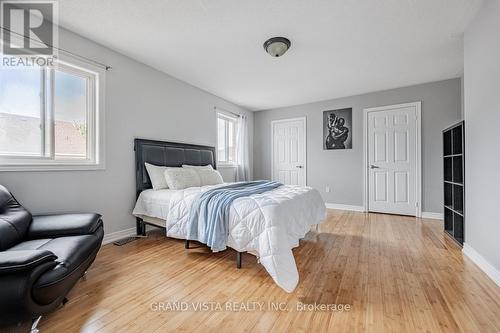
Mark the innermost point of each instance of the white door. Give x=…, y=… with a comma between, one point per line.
x=392, y=159
x=289, y=151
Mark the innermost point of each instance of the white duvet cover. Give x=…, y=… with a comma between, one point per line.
x=268, y=224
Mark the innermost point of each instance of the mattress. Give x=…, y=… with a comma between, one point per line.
x=153, y=204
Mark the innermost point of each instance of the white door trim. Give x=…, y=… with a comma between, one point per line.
x=418, y=187
x=304, y=124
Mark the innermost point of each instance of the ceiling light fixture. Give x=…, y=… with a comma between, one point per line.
x=277, y=46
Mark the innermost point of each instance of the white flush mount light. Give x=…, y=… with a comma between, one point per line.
x=277, y=46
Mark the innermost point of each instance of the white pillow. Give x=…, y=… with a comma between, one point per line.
x=209, y=177
x=181, y=178
x=156, y=174
x=205, y=167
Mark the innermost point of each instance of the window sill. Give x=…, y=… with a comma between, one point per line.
x=226, y=166
x=51, y=167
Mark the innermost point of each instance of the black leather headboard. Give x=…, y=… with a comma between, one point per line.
x=171, y=154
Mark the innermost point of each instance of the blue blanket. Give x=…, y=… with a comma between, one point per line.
x=209, y=214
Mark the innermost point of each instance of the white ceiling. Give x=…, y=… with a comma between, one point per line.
x=339, y=47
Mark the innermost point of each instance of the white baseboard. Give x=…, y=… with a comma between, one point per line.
x=425, y=215
x=482, y=263
x=431, y=215
x=345, y=207
x=114, y=236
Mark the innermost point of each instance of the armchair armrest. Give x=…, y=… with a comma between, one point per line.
x=18, y=272
x=16, y=261
x=62, y=225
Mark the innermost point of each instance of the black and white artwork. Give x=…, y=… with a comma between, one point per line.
x=337, y=129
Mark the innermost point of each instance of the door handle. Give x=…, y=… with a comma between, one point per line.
x=374, y=166
x=299, y=166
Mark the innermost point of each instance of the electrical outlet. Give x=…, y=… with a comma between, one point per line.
x=327, y=189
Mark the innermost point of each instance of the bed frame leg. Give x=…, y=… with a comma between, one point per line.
x=238, y=260
x=186, y=244
x=140, y=227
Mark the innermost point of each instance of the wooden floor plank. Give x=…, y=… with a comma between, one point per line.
x=397, y=274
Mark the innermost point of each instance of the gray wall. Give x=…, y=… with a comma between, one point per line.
x=140, y=102
x=342, y=170
x=482, y=117
x=462, y=93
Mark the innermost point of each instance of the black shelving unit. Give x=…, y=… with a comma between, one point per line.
x=453, y=163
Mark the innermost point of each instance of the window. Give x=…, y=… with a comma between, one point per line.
x=227, y=127
x=49, y=118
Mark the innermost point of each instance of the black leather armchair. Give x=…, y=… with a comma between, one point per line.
x=41, y=258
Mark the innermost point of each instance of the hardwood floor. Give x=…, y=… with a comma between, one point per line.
x=398, y=274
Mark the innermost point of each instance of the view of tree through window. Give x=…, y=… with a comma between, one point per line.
x=70, y=115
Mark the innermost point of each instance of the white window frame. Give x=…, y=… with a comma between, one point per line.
x=95, y=122
x=226, y=116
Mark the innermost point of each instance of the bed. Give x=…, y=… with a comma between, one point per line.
x=268, y=225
